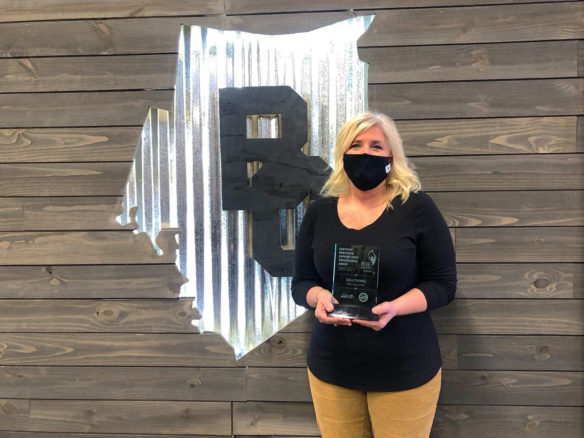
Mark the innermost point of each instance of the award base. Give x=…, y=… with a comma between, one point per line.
x=353, y=312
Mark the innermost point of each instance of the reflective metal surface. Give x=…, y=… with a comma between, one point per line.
x=176, y=178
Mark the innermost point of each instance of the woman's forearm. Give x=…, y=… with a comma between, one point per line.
x=413, y=301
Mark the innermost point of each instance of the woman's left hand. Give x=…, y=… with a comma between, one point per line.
x=386, y=311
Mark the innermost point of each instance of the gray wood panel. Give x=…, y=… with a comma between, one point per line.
x=519, y=280
x=47, y=145
x=277, y=384
x=474, y=352
x=80, y=316
x=29, y=10
x=520, y=317
x=444, y=174
x=505, y=98
x=63, y=179
x=522, y=208
x=281, y=418
x=537, y=244
x=290, y=349
x=78, y=248
x=580, y=58
x=493, y=317
x=264, y=418
x=501, y=172
x=580, y=132
x=88, y=73
x=6, y=434
x=521, y=353
x=139, y=36
x=507, y=421
x=539, y=348
x=123, y=383
x=280, y=350
x=61, y=213
x=116, y=281
x=11, y=214
x=480, y=24
x=521, y=135
x=449, y=351
x=539, y=388
x=117, y=416
x=545, y=59
x=120, y=349
x=302, y=324
x=248, y=6
x=105, y=108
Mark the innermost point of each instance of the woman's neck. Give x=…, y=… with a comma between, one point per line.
x=369, y=198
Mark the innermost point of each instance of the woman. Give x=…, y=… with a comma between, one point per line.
x=380, y=375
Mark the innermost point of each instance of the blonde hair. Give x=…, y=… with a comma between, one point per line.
x=401, y=180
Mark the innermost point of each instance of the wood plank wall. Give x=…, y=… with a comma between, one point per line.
x=93, y=340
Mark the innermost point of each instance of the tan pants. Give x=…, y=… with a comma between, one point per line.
x=349, y=413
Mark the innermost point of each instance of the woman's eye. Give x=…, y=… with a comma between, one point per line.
x=355, y=145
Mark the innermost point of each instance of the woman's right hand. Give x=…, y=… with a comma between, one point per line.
x=324, y=304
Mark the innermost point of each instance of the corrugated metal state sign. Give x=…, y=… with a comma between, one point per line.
x=176, y=177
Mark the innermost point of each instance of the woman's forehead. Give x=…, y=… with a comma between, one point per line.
x=372, y=133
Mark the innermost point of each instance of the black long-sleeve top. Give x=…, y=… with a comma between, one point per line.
x=416, y=251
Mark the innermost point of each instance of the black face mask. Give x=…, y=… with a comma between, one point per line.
x=366, y=171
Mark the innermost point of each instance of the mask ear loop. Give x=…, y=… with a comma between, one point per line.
x=388, y=167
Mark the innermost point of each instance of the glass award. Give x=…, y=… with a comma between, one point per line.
x=355, y=281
